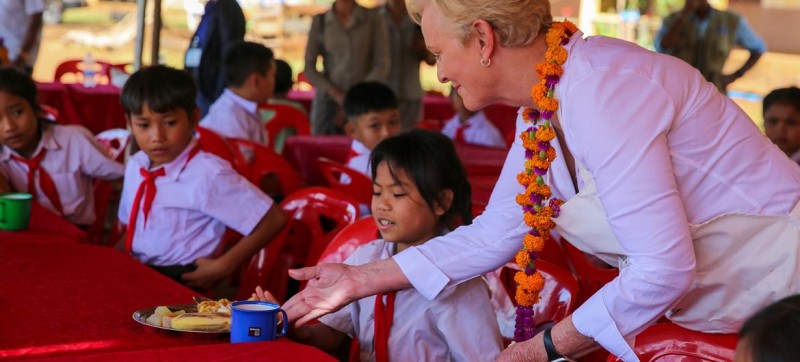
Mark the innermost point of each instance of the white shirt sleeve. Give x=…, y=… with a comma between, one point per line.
x=624, y=147
x=94, y=160
x=234, y=201
x=489, y=242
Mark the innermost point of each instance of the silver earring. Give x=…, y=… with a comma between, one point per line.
x=486, y=63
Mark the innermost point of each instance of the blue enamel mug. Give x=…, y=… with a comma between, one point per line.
x=255, y=321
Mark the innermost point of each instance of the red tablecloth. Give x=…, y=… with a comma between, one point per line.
x=46, y=226
x=75, y=301
x=483, y=164
x=98, y=108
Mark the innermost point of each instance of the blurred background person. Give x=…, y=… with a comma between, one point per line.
x=703, y=37
x=21, y=31
x=353, y=44
x=782, y=120
x=222, y=24
x=407, y=49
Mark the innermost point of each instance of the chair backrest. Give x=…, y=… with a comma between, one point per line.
x=115, y=142
x=670, y=342
x=213, y=143
x=558, y=298
x=72, y=67
x=102, y=194
x=325, y=212
x=349, y=239
x=264, y=161
x=264, y=268
x=286, y=118
x=590, y=277
x=359, y=186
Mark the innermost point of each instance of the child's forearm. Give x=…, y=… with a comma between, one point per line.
x=269, y=226
x=320, y=336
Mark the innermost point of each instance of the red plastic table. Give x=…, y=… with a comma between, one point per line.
x=74, y=301
x=97, y=109
x=46, y=226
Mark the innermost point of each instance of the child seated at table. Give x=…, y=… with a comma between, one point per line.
x=420, y=191
x=176, y=198
x=471, y=127
x=57, y=164
x=771, y=335
x=372, y=116
x=250, y=72
x=782, y=120
x=283, y=84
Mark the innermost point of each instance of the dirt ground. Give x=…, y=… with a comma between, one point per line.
x=773, y=71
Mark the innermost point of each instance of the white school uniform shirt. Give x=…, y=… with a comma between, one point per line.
x=15, y=15
x=194, y=203
x=665, y=148
x=73, y=160
x=480, y=131
x=459, y=325
x=360, y=162
x=235, y=117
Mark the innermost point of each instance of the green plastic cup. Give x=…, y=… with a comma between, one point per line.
x=15, y=211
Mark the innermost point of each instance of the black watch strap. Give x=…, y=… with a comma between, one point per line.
x=552, y=354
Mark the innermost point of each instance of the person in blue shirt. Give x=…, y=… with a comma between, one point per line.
x=703, y=37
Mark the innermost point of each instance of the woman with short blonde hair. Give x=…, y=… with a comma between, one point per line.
x=630, y=155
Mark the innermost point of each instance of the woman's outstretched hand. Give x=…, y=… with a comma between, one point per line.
x=330, y=287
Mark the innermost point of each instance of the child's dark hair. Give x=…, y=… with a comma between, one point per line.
x=430, y=160
x=773, y=333
x=14, y=81
x=161, y=88
x=243, y=58
x=366, y=97
x=789, y=96
x=283, y=77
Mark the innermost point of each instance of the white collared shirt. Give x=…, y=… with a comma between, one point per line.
x=235, y=117
x=459, y=325
x=360, y=162
x=194, y=203
x=73, y=160
x=665, y=148
x=15, y=15
x=480, y=131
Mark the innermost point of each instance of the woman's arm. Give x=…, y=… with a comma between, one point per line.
x=381, y=56
x=314, y=49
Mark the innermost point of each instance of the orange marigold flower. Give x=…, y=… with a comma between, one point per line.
x=537, y=162
x=551, y=154
x=542, y=222
x=545, y=134
x=523, y=258
x=525, y=299
x=528, y=143
x=547, y=69
x=546, y=211
x=539, y=91
x=557, y=55
x=569, y=26
x=525, y=179
x=533, y=243
x=554, y=35
x=543, y=190
x=548, y=104
x=523, y=199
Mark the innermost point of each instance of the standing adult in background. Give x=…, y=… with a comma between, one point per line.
x=222, y=24
x=353, y=44
x=407, y=49
x=21, y=30
x=703, y=37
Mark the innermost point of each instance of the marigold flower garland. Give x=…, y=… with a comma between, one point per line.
x=536, y=201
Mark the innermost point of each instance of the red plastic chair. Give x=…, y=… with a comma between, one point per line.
x=558, y=298
x=103, y=191
x=324, y=212
x=264, y=162
x=349, y=239
x=286, y=118
x=115, y=142
x=50, y=113
x=359, y=187
x=265, y=267
x=72, y=67
x=590, y=277
x=670, y=342
x=213, y=143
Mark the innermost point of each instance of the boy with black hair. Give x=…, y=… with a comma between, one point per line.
x=177, y=199
x=250, y=72
x=372, y=116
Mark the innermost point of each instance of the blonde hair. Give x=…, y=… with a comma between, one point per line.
x=517, y=22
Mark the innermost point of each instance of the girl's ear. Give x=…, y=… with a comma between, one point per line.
x=443, y=202
x=194, y=118
x=349, y=129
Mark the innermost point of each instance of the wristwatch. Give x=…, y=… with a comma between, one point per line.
x=552, y=354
